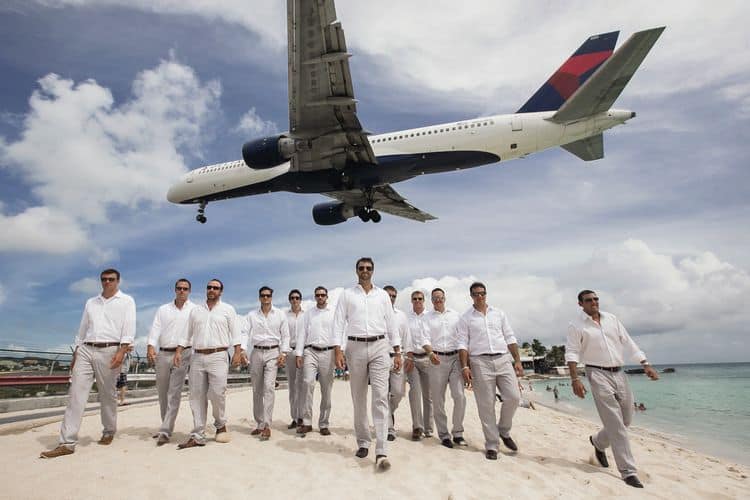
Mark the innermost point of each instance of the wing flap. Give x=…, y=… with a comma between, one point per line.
x=591, y=148
x=384, y=199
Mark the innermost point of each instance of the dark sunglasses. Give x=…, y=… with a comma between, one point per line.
x=213, y=287
x=110, y=280
x=265, y=295
x=478, y=294
x=364, y=268
x=321, y=295
x=292, y=298
x=182, y=288
x=591, y=299
x=417, y=298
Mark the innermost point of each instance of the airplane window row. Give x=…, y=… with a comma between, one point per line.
x=225, y=166
x=435, y=131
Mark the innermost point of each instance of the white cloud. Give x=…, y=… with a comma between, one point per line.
x=82, y=155
x=86, y=286
x=253, y=125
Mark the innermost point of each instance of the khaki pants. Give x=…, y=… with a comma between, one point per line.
x=208, y=382
x=170, y=380
x=92, y=364
x=396, y=391
x=296, y=387
x=489, y=373
x=614, y=403
x=448, y=373
x=263, y=369
x=320, y=364
x=369, y=360
x=420, y=400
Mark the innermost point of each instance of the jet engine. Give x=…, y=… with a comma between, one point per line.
x=267, y=152
x=333, y=212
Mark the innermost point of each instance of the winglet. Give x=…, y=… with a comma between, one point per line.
x=572, y=74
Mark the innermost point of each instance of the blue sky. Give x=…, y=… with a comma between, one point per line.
x=103, y=104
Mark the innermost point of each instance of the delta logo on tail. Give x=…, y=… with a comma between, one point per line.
x=572, y=74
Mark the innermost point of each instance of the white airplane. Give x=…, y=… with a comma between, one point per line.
x=327, y=151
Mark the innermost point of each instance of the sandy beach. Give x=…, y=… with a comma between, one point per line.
x=555, y=461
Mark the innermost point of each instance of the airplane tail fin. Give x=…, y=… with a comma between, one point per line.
x=572, y=74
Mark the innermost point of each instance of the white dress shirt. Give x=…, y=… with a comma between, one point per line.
x=170, y=325
x=211, y=328
x=295, y=325
x=362, y=314
x=268, y=330
x=442, y=330
x=402, y=325
x=600, y=345
x=108, y=320
x=485, y=333
x=417, y=331
x=316, y=329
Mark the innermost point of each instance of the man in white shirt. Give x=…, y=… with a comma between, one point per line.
x=168, y=329
x=294, y=318
x=441, y=345
x=315, y=359
x=105, y=334
x=417, y=370
x=396, y=378
x=486, y=342
x=268, y=334
x=363, y=325
x=212, y=329
x=598, y=339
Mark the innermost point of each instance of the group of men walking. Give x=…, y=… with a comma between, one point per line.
x=442, y=350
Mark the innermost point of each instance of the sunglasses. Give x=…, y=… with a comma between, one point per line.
x=265, y=295
x=108, y=280
x=478, y=294
x=438, y=299
x=392, y=296
x=182, y=288
x=417, y=298
x=321, y=295
x=213, y=287
x=292, y=298
x=591, y=299
x=364, y=268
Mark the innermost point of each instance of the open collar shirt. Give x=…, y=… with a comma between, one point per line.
x=170, y=325
x=417, y=331
x=316, y=329
x=606, y=344
x=212, y=328
x=268, y=330
x=442, y=330
x=489, y=333
x=108, y=320
x=295, y=324
x=362, y=314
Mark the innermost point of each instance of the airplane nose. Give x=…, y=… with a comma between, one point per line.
x=174, y=194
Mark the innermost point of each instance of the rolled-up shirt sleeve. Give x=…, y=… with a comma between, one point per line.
x=508, y=333
x=302, y=333
x=462, y=334
x=155, y=332
x=284, y=332
x=573, y=345
x=187, y=339
x=392, y=326
x=127, y=335
x=235, y=330
x=83, y=326
x=339, y=321
x=629, y=344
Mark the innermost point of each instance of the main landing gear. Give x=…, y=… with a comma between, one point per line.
x=368, y=214
x=201, y=217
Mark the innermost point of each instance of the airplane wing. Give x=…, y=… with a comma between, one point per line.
x=322, y=109
x=384, y=199
x=602, y=89
x=591, y=148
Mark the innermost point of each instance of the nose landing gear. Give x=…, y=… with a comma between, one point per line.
x=201, y=217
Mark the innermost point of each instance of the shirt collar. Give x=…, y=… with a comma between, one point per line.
x=117, y=295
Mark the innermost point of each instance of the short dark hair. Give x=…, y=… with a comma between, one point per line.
x=321, y=287
x=390, y=287
x=293, y=290
x=221, y=285
x=417, y=291
x=110, y=271
x=264, y=287
x=183, y=280
x=477, y=284
x=582, y=293
x=364, y=259
x=438, y=290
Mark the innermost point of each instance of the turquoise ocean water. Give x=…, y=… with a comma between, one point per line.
x=705, y=407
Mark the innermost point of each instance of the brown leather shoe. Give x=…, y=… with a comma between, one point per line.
x=106, y=439
x=190, y=443
x=416, y=434
x=57, y=452
x=256, y=432
x=304, y=429
x=293, y=425
x=222, y=436
x=325, y=432
x=266, y=434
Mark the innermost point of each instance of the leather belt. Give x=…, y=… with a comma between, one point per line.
x=491, y=354
x=211, y=351
x=266, y=347
x=446, y=353
x=613, y=369
x=319, y=349
x=102, y=344
x=174, y=349
x=417, y=355
x=366, y=339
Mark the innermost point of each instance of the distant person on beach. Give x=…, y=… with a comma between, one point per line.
x=105, y=334
x=122, y=379
x=397, y=377
x=268, y=334
x=167, y=330
x=556, y=393
x=365, y=328
x=417, y=369
x=642, y=407
x=486, y=340
x=296, y=389
x=441, y=343
x=598, y=339
x=213, y=327
x=315, y=360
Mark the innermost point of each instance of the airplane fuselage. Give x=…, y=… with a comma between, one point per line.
x=401, y=155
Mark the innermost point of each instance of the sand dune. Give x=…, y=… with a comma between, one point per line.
x=555, y=461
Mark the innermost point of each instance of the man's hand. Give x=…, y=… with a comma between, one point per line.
x=281, y=361
x=434, y=358
x=518, y=367
x=151, y=355
x=300, y=361
x=408, y=365
x=652, y=374
x=397, y=362
x=177, y=360
x=578, y=388
x=466, y=372
x=236, y=359
x=340, y=361
x=117, y=358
